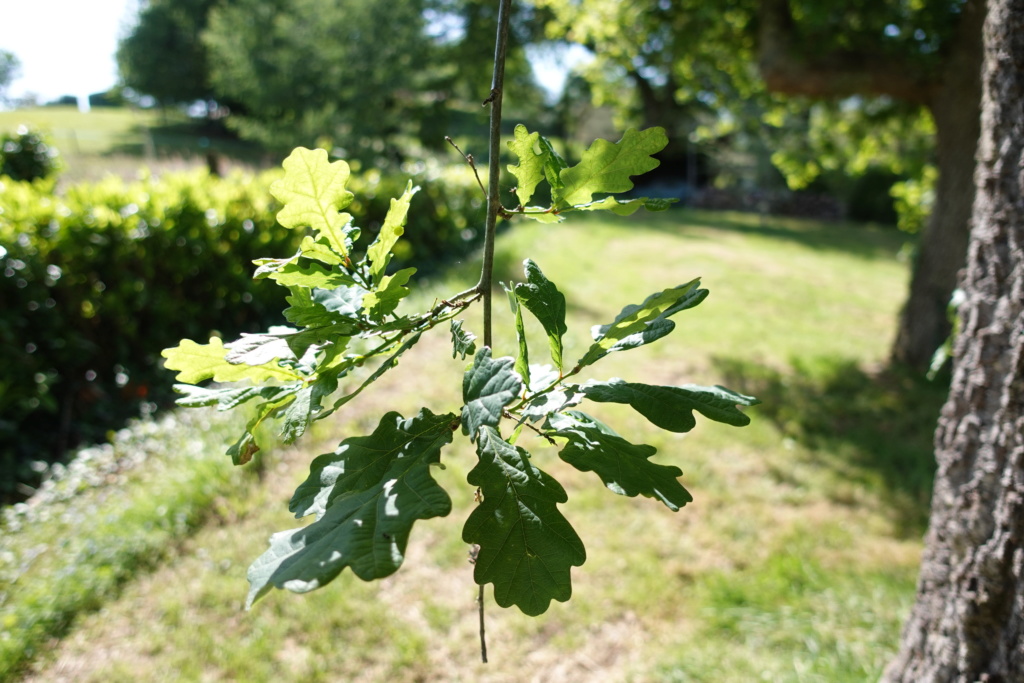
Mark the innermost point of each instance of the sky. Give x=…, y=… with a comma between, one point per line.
x=66, y=47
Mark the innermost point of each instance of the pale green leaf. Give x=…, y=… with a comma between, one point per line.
x=607, y=167
x=527, y=547
x=487, y=387
x=365, y=526
x=623, y=467
x=197, y=362
x=530, y=170
x=386, y=298
x=313, y=194
x=641, y=324
x=541, y=297
x=320, y=250
x=626, y=207
x=542, y=215
x=379, y=253
x=313, y=276
x=672, y=408
x=258, y=349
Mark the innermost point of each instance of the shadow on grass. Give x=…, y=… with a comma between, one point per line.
x=874, y=430
x=865, y=240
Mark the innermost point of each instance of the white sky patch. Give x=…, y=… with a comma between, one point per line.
x=66, y=47
x=553, y=64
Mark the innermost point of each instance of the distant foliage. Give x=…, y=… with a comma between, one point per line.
x=25, y=155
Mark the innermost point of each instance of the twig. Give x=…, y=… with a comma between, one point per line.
x=472, y=164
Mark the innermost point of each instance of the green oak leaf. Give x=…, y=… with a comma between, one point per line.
x=379, y=253
x=247, y=446
x=320, y=249
x=197, y=362
x=226, y=398
x=487, y=387
x=392, y=290
x=313, y=194
x=463, y=341
x=325, y=307
x=547, y=395
x=367, y=527
x=541, y=297
x=542, y=215
x=307, y=401
x=607, y=167
x=530, y=171
x=641, y=324
x=522, y=365
x=624, y=467
x=672, y=408
x=554, y=164
x=626, y=207
x=314, y=276
x=527, y=547
x=258, y=349
x=360, y=462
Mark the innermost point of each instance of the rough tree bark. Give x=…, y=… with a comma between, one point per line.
x=952, y=94
x=968, y=621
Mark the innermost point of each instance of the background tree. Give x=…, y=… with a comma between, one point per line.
x=968, y=623
x=9, y=69
x=164, y=55
x=733, y=55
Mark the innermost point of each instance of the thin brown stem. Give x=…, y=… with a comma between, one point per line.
x=472, y=164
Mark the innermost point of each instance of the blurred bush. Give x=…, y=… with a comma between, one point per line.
x=25, y=155
x=97, y=281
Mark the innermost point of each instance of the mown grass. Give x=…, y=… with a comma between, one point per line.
x=117, y=141
x=796, y=561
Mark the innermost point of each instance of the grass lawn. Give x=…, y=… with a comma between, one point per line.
x=795, y=562
x=112, y=140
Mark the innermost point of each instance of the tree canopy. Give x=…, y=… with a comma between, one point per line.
x=751, y=58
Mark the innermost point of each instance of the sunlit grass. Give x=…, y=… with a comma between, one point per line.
x=796, y=561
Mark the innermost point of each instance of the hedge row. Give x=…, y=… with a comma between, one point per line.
x=96, y=281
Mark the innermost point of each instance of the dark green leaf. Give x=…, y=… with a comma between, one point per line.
x=522, y=365
x=623, y=467
x=672, y=408
x=360, y=462
x=541, y=297
x=641, y=324
x=365, y=527
x=526, y=546
x=227, y=398
x=463, y=341
x=306, y=404
x=487, y=388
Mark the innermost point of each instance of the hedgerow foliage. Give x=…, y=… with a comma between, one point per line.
x=97, y=280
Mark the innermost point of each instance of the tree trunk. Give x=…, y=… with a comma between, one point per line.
x=968, y=622
x=954, y=104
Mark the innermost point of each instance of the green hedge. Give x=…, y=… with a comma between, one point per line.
x=96, y=281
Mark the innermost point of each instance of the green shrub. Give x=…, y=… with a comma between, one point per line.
x=25, y=155
x=96, y=281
